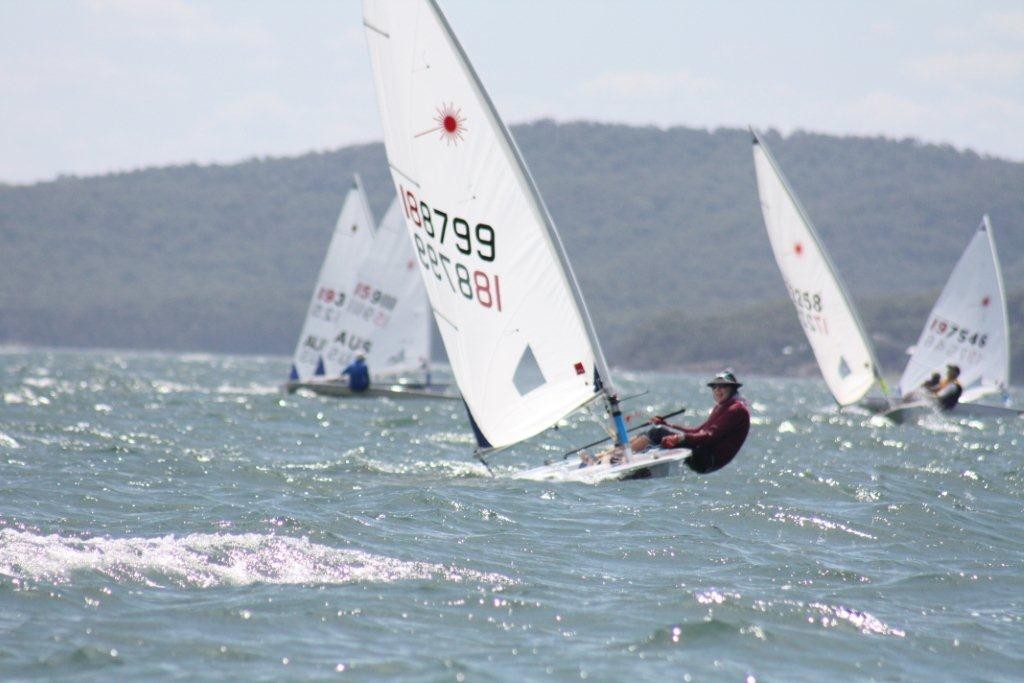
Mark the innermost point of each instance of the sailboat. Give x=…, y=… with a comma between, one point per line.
x=833, y=328
x=520, y=341
x=369, y=300
x=967, y=327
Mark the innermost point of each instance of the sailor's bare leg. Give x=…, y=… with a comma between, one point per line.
x=614, y=455
x=639, y=443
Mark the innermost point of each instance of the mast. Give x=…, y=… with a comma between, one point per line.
x=357, y=183
x=986, y=226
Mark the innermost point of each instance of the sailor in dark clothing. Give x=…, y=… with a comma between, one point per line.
x=714, y=443
x=926, y=391
x=358, y=375
x=718, y=440
x=949, y=392
x=931, y=385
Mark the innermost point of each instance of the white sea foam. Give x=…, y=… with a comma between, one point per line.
x=832, y=615
x=250, y=390
x=166, y=387
x=715, y=597
x=454, y=468
x=817, y=522
x=938, y=424
x=209, y=560
x=26, y=397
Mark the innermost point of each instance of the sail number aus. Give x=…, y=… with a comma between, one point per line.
x=439, y=226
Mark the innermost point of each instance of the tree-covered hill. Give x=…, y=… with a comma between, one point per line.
x=662, y=226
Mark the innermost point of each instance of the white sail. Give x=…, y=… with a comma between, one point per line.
x=387, y=311
x=968, y=325
x=833, y=329
x=518, y=337
x=317, y=350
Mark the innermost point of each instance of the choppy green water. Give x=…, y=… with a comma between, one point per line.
x=174, y=516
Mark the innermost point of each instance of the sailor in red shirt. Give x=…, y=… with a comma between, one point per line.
x=715, y=442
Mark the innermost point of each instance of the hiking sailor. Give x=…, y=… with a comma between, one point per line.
x=949, y=392
x=358, y=375
x=714, y=443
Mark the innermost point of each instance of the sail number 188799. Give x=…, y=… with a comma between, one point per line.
x=478, y=241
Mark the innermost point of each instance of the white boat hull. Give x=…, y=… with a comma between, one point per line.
x=874, y=404
x=647, y=465
x=920, y=409
x=340, y=389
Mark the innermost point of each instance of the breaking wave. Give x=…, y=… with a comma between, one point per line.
x=211, y=560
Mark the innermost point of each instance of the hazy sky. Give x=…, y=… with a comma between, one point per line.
x=90, y=86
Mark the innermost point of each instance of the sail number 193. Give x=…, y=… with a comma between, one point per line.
x=443, y=231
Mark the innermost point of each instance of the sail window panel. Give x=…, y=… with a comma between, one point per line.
x=528, y=375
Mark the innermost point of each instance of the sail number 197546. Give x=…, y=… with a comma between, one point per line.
x=443, y=232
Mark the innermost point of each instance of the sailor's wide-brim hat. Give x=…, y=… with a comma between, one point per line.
x=724, y=379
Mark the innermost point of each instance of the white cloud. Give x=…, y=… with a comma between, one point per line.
x=886, y=110
x=1005, y=23
x=984, y=123
x=172, y=11
x=639, y=83
x=172, y=20
x=882, y=29
x=970, y=67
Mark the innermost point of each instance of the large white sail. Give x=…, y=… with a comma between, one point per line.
x=318, y=348
x=833, y=329
x=387, y=311
x=968, y=325
x=518, y=336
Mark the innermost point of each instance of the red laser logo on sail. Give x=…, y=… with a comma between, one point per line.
x=986, y=301
x=799, y=249
x=451, y=124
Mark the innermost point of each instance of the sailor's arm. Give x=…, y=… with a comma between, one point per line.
x=715, y=428
x=658, y=420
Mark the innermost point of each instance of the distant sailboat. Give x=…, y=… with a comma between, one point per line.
x=967, y=327
x=519, y=338
x=316, y=355
x=833, y=328
x=369, y=300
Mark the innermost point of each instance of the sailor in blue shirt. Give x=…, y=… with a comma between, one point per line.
x=358, y=374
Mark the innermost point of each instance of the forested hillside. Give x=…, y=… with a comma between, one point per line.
x=662, y=226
